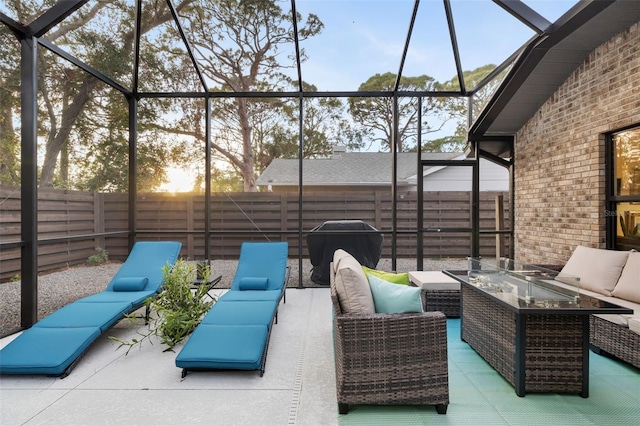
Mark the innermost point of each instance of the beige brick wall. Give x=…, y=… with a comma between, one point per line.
x=560, y=153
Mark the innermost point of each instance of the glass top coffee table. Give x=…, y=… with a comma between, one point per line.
x=529, y=323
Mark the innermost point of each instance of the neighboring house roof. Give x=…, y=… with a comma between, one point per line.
x=347, y=168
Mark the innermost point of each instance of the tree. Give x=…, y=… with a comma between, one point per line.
x=376, y=114
x=238, y=43
x=458, y=107
x=324, y=125
x=455, y=143
x=71, y=97
x=9, y=100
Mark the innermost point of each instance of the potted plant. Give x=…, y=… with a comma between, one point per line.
x=177, y=310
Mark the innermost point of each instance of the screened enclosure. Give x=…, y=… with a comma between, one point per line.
x=217, y=122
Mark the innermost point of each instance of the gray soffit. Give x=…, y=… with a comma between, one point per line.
x=546, y=63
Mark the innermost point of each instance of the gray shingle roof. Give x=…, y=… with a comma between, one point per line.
x=352, y=168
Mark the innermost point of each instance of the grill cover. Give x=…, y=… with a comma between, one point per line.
x=366, y=248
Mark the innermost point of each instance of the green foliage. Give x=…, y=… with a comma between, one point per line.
x=241, y=44
x=178, y=309
x=456, y=143
x=99, y=256
x=483, y=89
x=82, y=123
x=15, y=278
x=223, y=181
x=376, y=114
x=9, y=104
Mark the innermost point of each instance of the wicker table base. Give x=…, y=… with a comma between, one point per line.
x=533, y=352
x=439, y=292
x=445, y=301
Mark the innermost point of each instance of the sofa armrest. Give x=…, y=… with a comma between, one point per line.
x=391, y=359
x=375, y=340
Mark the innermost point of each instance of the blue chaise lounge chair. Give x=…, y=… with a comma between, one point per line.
x=234, y=334
x=54, y=344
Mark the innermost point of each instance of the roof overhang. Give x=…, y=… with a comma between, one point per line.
x=544, y=64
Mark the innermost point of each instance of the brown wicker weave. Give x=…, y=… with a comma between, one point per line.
x=553, y=346
x=614, y=339
x=445, y=301
x=608, y=338
x=390, y=359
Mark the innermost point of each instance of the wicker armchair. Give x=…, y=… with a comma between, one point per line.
x=390, y=359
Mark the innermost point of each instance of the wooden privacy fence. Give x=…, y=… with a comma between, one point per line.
x=234, y=217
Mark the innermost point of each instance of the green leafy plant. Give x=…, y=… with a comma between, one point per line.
x=100, y=256
x=15, y=278
x=177, y=310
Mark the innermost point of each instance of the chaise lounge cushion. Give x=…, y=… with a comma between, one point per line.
x=628, y=286
x=352, y=285
x=598, y=269
x=251, y=295
x=143, y=261
x=41, y=350
x=238, y=347
x=262, y=259
x=241, y=313
x=391, y=298
x=81, y=315
x=130, y=283
x=135, y=298
x=52, y=345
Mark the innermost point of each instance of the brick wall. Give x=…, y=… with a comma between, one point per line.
x=560, y=152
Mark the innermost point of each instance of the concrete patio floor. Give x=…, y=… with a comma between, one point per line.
x=144, y=387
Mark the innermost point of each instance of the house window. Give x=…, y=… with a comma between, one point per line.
x=623, y=197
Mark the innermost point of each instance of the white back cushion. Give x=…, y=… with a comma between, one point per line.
x=352, y=285
x=598, y=269
x=628, y=287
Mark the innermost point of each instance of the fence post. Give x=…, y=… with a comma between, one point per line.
x=378, y=209
x=190, y=240
x=500, y=249
x=98, y=219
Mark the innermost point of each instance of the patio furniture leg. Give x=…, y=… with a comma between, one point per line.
x=343, y=408
x=441, y=408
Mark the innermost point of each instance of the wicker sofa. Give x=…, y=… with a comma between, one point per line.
x=384, y=358
x=613, y=276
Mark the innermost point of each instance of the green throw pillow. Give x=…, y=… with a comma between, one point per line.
x=390, y=298
x=392, y=277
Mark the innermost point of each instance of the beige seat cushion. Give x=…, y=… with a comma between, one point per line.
x=598, y=269
x=352, y=285
x=628, y=287
x=433, y=280
x=621, y=320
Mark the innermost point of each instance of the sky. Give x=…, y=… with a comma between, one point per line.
x=365, y=37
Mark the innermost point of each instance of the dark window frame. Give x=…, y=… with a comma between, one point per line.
x=612, y=198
